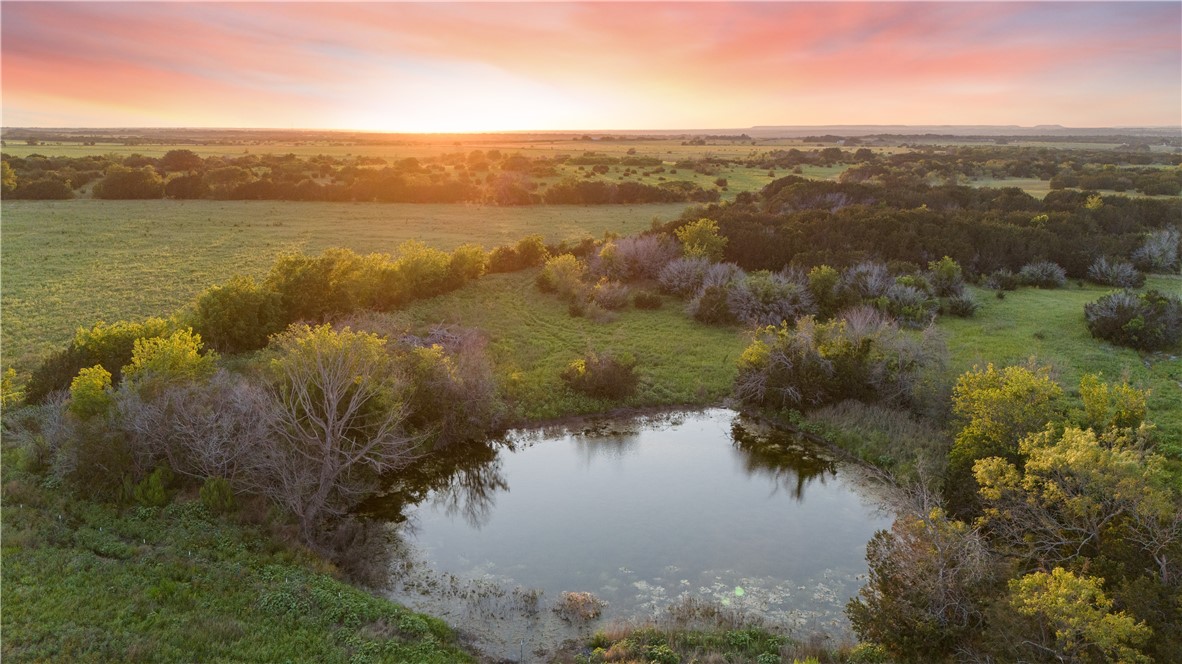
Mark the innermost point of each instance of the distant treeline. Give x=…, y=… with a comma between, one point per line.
x=476, y=177
x=805, y=223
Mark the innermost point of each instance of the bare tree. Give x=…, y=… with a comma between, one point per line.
x=338, y=424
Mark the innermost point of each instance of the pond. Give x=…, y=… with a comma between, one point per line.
x=701, y=509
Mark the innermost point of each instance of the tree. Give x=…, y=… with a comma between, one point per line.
x=124, y=183
x=158, y=361
x=180, y=160
x=238, y=316
x=1075, y=621
x=930, y=577
x=339, y=421
x=997, y=409
x=701, y=238
x=7, y=178
x=90, y=392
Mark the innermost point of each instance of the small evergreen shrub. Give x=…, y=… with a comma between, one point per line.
x=217, y=495
x=1043, y=274
x=1002, y=280
x=1115, y=273
x=602, y=375
x=1150, y=321
x=962, y=306
x=611, y=295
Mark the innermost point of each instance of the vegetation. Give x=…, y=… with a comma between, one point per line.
x=1149, y=321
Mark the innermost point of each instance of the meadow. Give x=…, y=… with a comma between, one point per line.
x=1047, y=326
x=71, y=263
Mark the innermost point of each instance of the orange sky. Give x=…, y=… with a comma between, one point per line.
x=486, y=66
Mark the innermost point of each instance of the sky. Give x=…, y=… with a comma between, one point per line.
x=459, y=67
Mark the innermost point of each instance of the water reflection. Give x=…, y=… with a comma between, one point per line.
x=462, y=480
x=788, y=461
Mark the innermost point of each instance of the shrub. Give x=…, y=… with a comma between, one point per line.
x=109, y=345
x=152, y=491
x=562, y=275
x=1002, y=280
x=579, y=607
x=1115, y=273
x=823, y=285
x=453, y=392
x=130, y=183
x=701, y=239
x=1042, y=274
x=859, y=356
x=766, y=298
x=217, y=496
x=1150, y=321
x=909, y=305
x=611, y=295
x=637, y=257
x=503, y=259
x=683, y=276
x=468, y=262
x=530, y=251
x=865, y=281
x=711, y=305
x=176, y=357
x=238, y=316
x=602, y=375
x=647, y=300
x=90, y=392
x=962, y=305
x=1160, y=251
x=946, y=277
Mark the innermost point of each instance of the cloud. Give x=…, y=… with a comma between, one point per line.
x=602, y=65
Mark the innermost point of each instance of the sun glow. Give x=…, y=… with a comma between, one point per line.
x=464, y=99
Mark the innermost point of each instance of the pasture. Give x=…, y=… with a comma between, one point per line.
x=1048, y=327
x=70, y=263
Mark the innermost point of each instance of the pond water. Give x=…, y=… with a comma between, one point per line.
x=697, y=509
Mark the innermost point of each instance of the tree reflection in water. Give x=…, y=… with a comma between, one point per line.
x=463, y=479
x=789, y=461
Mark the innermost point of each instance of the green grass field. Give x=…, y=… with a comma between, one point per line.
x=532, y=338
x=67, y=264
x=1048, y=326
x=85, y=582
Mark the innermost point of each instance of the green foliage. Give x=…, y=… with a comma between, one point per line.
x=1149, y=321
x=7, y=178
x=1078, y=622
x=89, y=582
x=823, y=282
x=602, y=375
x=812, y=364
x=122, y=182
x=563, y=275
x=930, y=577
x=12, y=392
x=90, y=392
x=611, y=295
x=1111, y=405
x=177, y=357
x=238, y=316
x=152, y=491
x=702, y=239
x=947, y=277
x=996, y=410
x=963, y=305
x=217, y=496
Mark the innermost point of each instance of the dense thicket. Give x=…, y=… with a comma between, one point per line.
x=804, y=223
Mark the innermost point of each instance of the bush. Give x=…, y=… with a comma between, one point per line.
x=562, y=275
x=859, y=356
x=962, y=306
x=823, y=285
x=634, y=258
x=176, y=357
x=109, y=345
x=90, y=392
x=711, y=305
x=683, y=276
x=702, y=239
x=130, y=183
x=1160, y=251
x=647, y=300
x=1115, y=273
x=1042, y=274
x=947, y=278
x=1150, y=321
x=217, y=496
x=238, y=316
x=611, y=295
x=1002, y=280
x=602, y=376
x=909, y=305
x=865, y=281
x=766, y=298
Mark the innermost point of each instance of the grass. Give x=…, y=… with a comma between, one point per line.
x=1048, y=326
x=532, y=338
x=85, y=582
x=67, y=264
